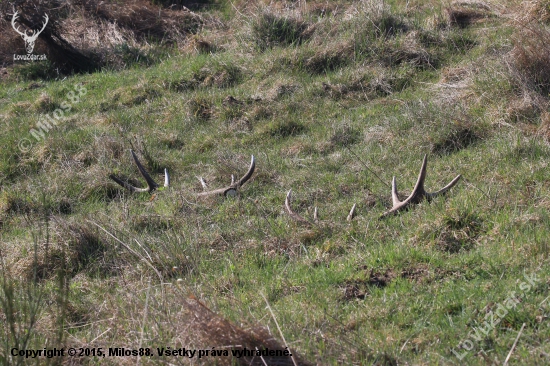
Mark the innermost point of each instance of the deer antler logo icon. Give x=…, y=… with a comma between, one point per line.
x=29, y=40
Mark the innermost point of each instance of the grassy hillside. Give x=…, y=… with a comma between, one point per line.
x=333, y=99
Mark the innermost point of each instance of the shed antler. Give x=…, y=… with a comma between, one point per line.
x=296, y=216
x=232, y=189
x=418, y=192
x=151, y=184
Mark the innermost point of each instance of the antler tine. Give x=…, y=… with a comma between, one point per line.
x=203, y=183
x=14, y=17
x=128, y=186
x=315, y=217
x=394, y=196
x=291, y=213
x=249, y=173
x=166, y=178
x=418, y=192
x=444, y=189
x=351, y=214
x=35, y=33
x=232, y=189
x=151, y=184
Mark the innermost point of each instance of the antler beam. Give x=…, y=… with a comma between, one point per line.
x=418, y=193
x=151, y=184
x=293, y=214
x=231, y=190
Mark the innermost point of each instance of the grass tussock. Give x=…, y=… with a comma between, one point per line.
x=529, y=60
x=270, y=30
x=210, y=327
x=465, y=14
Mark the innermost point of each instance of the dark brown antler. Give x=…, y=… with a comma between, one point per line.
x=232, y=189
x=151, y=184
x=418, y=192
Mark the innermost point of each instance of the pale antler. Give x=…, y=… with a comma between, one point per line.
x=351, y=214
x=231, y=190
x=418, y=192
x=151, y=184
x=15, y=28
x=35, y=33
x=29, y=40
x=293, y=214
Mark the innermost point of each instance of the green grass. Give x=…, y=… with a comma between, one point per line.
x=332, y=116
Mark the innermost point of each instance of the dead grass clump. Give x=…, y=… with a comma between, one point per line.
x=151, y=223
x=415, y=56
x=462, y=16
x=260, y=112
x=345, y=136
x=198, y=45
x=201, y=108
x=323, y=9
x=45, y=104
x=220, y=75
x=209, y=328
x=537, y=10
x=281, y=90
x=145, y=20
x=521, y=109
x=328, y=59
x=544, y=128
x=71, y=247
x=376, y=21
x=82, y=244
x=529, y=60
x=270, y=30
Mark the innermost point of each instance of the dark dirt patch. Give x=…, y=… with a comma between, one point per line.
x=359, y=288
x=417, y=273
x=462, y=16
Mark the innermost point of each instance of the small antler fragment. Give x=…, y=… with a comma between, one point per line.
x=293, y=214
x=418, y=192
x=351, y=214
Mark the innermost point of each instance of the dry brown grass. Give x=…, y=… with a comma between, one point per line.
x=537, y=10
x=213, y=329
x=529, y=60
x=144, y=19
x=82, y=35
x=544, y=128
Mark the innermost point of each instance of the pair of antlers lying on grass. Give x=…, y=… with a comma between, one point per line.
x=230, y=190
x=417, y=195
